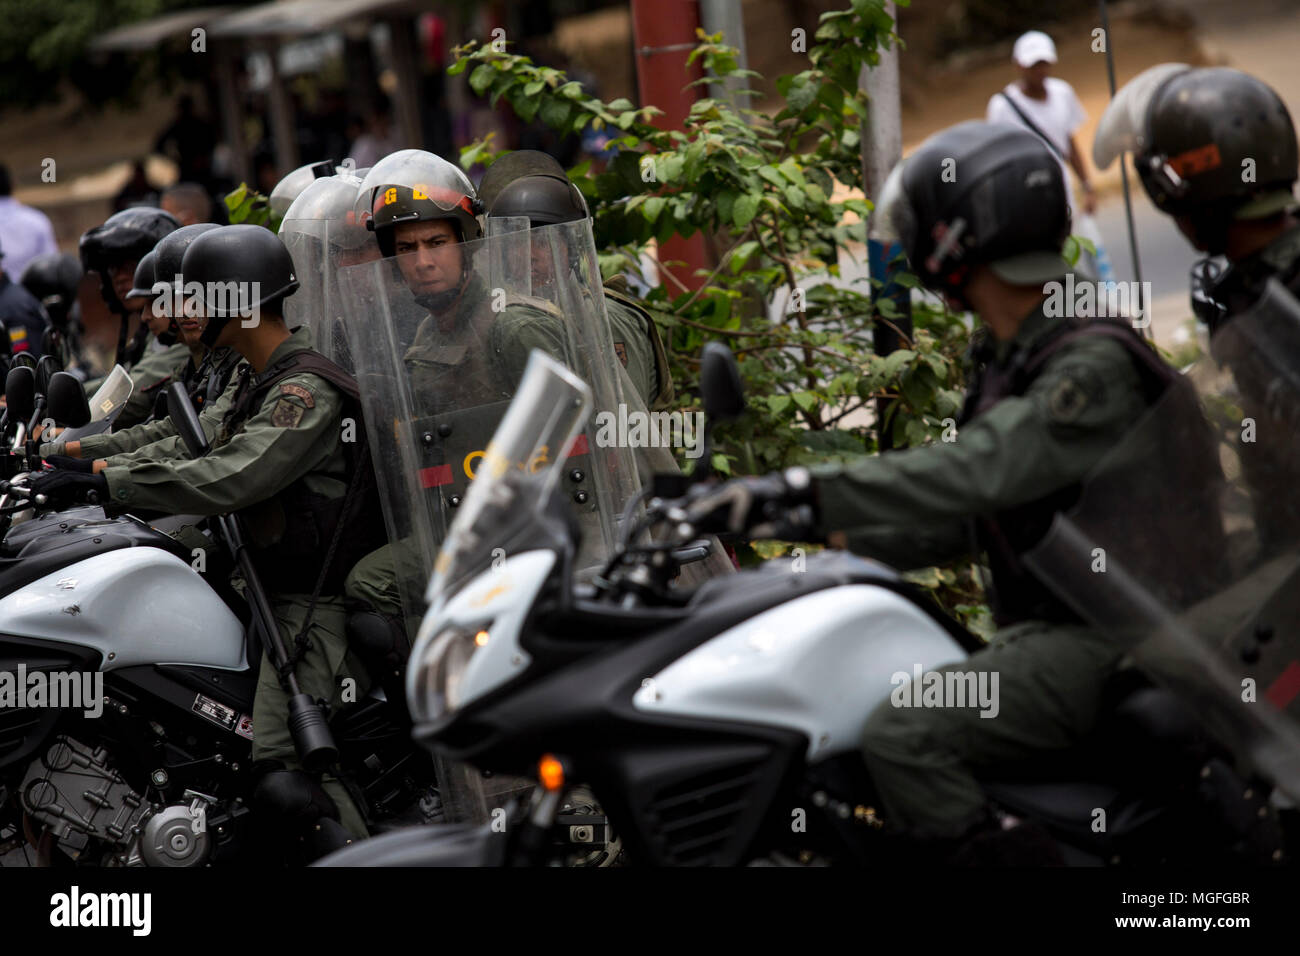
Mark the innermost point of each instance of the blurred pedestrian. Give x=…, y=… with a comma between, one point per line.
x=189, y=203
x=1046, y=106
x=377, y=141
x=25, y=233
x=189, y=141
x=138, y=191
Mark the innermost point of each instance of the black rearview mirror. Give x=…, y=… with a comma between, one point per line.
x=181, y=411
x=20, y=393
x=65, y=400
x=724, y=396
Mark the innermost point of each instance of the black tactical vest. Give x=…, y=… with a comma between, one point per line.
x=1017, y=594
x=310, y=523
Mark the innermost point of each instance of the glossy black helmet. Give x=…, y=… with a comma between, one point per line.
x=53, y=279
x=1214, y=144
x=543, y=200
x=978, y=194
x=239, y=270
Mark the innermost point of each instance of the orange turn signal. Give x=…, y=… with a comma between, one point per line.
x=550, y=772
x=481, y=638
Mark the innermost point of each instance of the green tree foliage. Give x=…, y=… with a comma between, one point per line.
x=764, y=186
x=44, y=44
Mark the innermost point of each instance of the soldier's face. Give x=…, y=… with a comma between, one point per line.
x=428, y=256
x=190, y=328
x=122, y=276
x=541, y=260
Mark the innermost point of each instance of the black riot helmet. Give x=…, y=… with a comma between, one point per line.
x=978, y=194
x=53, y=279
x=171, y=251
x=1213, y=144
x=543, y=200
x=239, y=269
x=515, y=165
x=124, y=237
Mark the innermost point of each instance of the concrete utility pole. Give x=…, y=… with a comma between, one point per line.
x=882, y=147
x=663, y=34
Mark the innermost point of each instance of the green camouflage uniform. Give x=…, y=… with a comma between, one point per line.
x=1020, y=452
x=638, y=345
x=295, y=436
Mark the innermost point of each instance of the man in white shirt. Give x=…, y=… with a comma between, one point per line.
x=1048, y=103
x=25, y=233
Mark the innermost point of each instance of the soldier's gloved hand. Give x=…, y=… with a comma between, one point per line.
x=69, y=487
x=777, y=505
x=66, y=463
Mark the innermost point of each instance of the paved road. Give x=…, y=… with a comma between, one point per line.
x=1165, y=256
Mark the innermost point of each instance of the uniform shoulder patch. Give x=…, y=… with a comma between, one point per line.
x=621, y=351
x=289, y=388
x=286, y=413
x=1078, y=389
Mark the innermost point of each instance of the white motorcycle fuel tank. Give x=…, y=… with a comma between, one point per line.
x=172, y=615
x=818, y=664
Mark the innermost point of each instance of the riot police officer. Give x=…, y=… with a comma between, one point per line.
x=1216, y=150
x=278, y=460
x=543, y=195
x=53, y=279
x=1050, y=398
x=114, y=250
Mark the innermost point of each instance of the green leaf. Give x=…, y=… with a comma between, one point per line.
x=893, y=363
x=740, y=255
x=726, y=199
x=533, y=88
x=745, y=209
x=721, y=463
x=653, y=207
x=805, y=400
x=794, y=197
x=555, y=113
x=482, y=78
x=778, y=403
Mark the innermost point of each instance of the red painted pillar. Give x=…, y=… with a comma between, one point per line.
x=663, y=35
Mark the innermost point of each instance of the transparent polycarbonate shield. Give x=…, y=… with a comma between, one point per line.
x=1122, y=126
x=322, y=235
x=1186, y=540
x=440, y=337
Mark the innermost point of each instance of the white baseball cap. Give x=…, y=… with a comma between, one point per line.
x=1034, y=47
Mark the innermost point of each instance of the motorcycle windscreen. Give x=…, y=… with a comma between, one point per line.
x=105, y=405
x=1186, y=540
x=440, y=335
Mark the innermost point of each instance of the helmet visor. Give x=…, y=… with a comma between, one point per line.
x=1122, y=127
x=427, y=176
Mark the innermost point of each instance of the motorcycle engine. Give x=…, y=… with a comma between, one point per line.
x=77, y=796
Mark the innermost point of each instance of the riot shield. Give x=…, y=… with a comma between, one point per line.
x=1186, y=540
x=322, y=235
x=440, y=337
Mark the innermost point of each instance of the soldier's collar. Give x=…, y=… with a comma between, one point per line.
x=1033, y=327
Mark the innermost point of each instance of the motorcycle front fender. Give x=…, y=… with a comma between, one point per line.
x=445, y=845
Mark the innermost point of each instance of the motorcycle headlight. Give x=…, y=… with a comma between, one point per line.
x=436, y=678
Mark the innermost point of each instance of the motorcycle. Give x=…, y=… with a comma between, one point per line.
x=150, y=766
x=719, y=725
